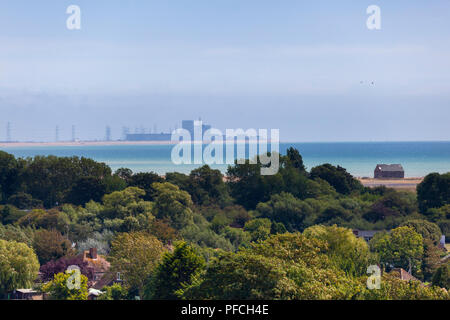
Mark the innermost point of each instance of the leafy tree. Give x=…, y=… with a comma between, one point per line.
x=337, y=177
x=285, y=267
x=259, y=229
x=58, y=288
x=181, y=180
x=393, y=204
x=114, y=292
x=288, y=210
x=427, y=229
x=135, y=255
x=172, y=204
x=126, y=210
x=247, y=185
x=124, y=173
x=219, y=222
x=431, y=235
x=9, y=175
x=19, y=266
x=51, y=219
x=441, y=278
x=393, y=288
x=334, y=214
x=163, y=231
x=350, y=254
x=201, y=234
x=177, y=268
x=434, y=191
x=431, y=259
x=402, y=247
x=23, y=200
x=10, y=214
x=238, y=237
x=144, y=181
x=438, y=214
x=51, y=245
x=16, y=233
x=114, y=183
x=295, y=159
x=51, y=178
x=207, y=186
x=86, y=189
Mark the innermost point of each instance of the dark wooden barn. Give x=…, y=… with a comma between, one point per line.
x=389, y=171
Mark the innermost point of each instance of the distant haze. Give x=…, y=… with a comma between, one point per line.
x=309, y=68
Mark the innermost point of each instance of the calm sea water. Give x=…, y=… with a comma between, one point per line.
x=359, y=158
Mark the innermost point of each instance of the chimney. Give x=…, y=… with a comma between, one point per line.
x=93, y=253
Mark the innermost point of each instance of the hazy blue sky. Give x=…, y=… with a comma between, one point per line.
x=293, y=65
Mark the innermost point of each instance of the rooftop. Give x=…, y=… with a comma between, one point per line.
x=390, y=167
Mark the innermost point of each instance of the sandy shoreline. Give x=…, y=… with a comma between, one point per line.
x=409, y=184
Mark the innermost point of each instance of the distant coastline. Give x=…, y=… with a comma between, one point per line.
x=81, y=143
x=359, y=158
x=150, y=143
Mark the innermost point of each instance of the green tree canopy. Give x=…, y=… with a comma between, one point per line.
x=428, y=230
x=173, y=204
x=434, y=191
x=177, y=268
x=402, y=247
x=288, y=266
x=19, y=266
x=350, y=254
x=59, y=288
x=9, y=175
x=126, y=210
x=441, y=278
x=337, y=177
x=51, y=245
x=135, y=255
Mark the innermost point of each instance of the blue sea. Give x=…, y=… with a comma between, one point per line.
x=359, y=158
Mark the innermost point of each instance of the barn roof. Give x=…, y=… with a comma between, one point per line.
x=390, y=167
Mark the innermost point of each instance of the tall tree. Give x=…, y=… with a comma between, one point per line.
x=441, y=277
x=295, y=159
x=402, y=247
x=135, y=255
x=9, y=175
x=350, y=254
x=173, y=204
x=434, y=191
x=19, y=266
x=176, y=269
x=51, y=245
x=337, y=177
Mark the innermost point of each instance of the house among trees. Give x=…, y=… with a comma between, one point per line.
x=98, y=264
x=365, y=234
x=404, y=275
x=389, y=171
x=26, y=294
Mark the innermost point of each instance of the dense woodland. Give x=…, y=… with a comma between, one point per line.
x=206, y=236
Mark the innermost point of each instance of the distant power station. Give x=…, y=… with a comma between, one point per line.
x=186, y=124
